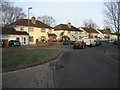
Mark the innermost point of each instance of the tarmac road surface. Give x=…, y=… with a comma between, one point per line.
x=86, y=68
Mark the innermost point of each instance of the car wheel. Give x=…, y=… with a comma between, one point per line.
x=90, y=45
x=83, y=47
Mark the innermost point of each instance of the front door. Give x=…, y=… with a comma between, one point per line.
x=17, y=38
x=23, y=40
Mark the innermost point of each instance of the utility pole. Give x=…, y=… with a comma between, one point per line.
x=28, y=25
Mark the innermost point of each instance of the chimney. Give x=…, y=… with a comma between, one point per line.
x=69, y=24
x=33, y=20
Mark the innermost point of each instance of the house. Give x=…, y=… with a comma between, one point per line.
x=114, y=36
x=104, y=34
x=38, y=31
x=9, y=33
x=88, y=32
x=67, y=32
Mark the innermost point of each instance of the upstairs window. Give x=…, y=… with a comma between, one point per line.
x=68, y=31
x=21, y=28
x=50, y=30
x=31, y=29
x=43, y=30
x=76, y=32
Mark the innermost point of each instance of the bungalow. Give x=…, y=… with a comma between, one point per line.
x=67, y=32
x=88, y=32
x=38, y=31
x=9, y=33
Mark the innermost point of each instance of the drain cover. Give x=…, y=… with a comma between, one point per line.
x=57, y=67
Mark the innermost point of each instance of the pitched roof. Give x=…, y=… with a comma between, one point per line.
x=65, y=27
x=24, y=22
x=104, y=31
x=114, y=33
x=11, y=30
x=89, y=30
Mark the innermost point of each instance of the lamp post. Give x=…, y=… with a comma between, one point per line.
x=28, y=24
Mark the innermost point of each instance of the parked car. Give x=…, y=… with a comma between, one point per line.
x=68, y=42
x=65, y=42
x=89, y=41
x=71, y=42
x=14, y=43
x=116, y=42
x=98, y=42
x=79, y=45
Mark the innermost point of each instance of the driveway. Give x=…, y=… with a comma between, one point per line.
x=86, y=68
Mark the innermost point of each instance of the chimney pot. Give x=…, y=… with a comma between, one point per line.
x=33, y=20
x=69, y=24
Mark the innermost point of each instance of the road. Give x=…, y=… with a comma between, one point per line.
x=86, y=68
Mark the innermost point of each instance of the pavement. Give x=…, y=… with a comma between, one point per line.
x=35, y=77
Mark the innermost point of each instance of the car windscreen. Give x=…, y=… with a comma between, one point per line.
x=78, y=42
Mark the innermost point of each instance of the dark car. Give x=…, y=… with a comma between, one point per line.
x=116, y=42
x=14, y=43
x=71, y=42
x=66, y=42
x=78, y=45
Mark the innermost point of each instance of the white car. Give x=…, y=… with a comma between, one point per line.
x=89, y=41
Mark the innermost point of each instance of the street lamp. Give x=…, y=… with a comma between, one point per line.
x=28, y=22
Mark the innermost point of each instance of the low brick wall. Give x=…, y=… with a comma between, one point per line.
x=48, y=43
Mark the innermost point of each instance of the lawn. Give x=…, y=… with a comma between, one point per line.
x=112, y=51
x=26, y=57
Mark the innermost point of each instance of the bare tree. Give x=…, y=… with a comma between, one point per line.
x=112, y=15
x=10, y=13
x=90, y=24
x=49, y=20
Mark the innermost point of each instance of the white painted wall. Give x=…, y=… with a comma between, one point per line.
x=13, y=37
x=37, y=34
x=73, y=35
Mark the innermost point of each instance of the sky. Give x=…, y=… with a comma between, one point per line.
x=64, y=11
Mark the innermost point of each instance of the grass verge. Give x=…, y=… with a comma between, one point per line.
x=26, y=58
x=112, y=51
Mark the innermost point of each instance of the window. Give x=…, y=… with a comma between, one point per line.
x=69, y=32
x=42, y=38
x=31, y=29
x=31, y=38
x=76, y=32
x=21, y=28
x=50, y=30
x=42, y=29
